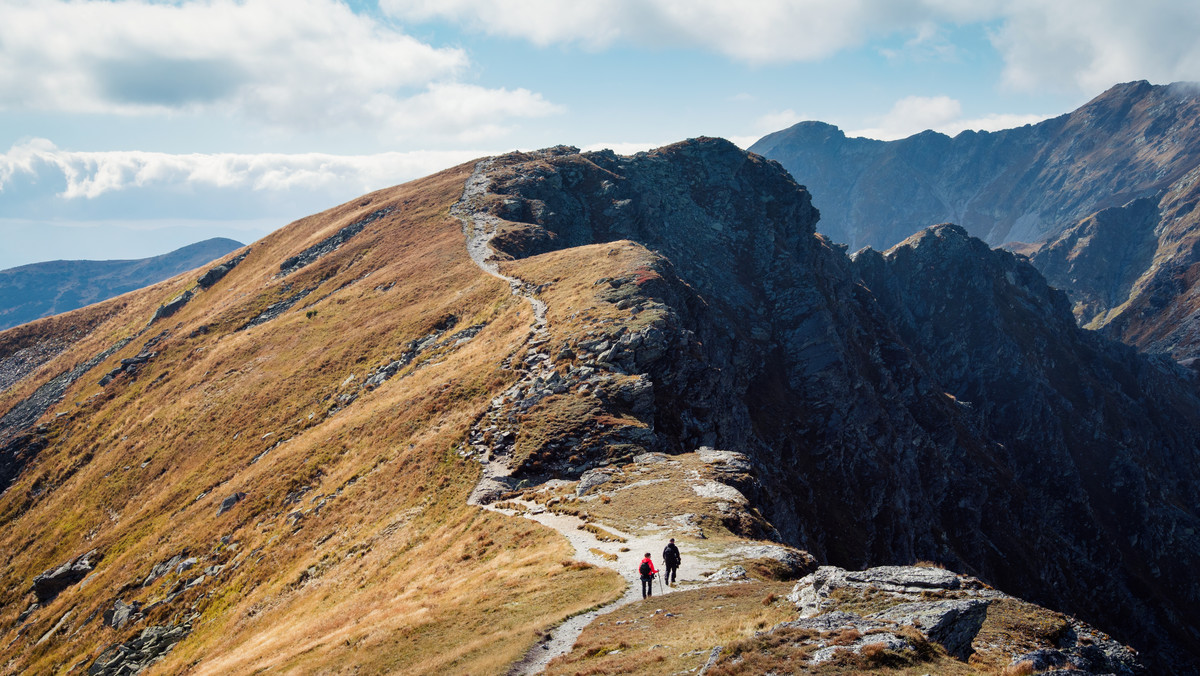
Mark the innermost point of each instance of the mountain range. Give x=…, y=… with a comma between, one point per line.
x=39, y=290
x=323, y=452
x=1101, y=200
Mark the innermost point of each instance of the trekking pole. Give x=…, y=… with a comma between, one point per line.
x=660, y=585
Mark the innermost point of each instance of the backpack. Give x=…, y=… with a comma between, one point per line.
x=644, y=569
x=671, y=555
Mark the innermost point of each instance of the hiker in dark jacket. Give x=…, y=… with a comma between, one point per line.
x=647, y=571
x=670, y=561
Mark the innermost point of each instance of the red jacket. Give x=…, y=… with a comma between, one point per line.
x=648, y=560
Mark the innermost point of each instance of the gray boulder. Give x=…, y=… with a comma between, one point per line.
x=172, y=306
x=590, y=480
x=905, y=579
x=794, y=561
x=229, y=503
x=729, y=574
x=51, y=582
x=954, y=624
x=121, y=613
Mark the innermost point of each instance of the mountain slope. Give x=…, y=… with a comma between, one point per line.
x=39, y=290
x=269, y=467
x=1132, y=270
x=351, y=543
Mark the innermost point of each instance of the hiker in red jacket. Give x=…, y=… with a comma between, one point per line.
x=647, y=571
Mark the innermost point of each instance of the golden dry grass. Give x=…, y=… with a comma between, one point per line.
x=378, y=565
x=679, y=637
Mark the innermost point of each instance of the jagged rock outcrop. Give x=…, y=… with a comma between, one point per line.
x=1131, y=271
x=867, y=612
x=140, y=652
x=50, y=583
x=216, y=273
x=1089, y=431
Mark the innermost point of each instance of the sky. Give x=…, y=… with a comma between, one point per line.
x=129, y=128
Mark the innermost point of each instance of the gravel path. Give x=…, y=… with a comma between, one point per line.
x=563, y=637
x=479, y=228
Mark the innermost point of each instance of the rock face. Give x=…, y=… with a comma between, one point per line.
x=1131, y=271
x=38, y=290
x=140, y=652
x=934, y=402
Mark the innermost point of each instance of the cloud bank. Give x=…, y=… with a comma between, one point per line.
x=59, y=203
x=92, y=174
x=914, y=114
x=291, y=64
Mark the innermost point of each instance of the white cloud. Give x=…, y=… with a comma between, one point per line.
x=743, y=142
x=47, y=193
x=778, y=120
x=1075, y=45
x=1092, y=44
x=756, y=31
x=993, y=122
x=92, y=174
x=296, y=64
x=914, y=114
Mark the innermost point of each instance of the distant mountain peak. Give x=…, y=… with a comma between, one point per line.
x=37, y=290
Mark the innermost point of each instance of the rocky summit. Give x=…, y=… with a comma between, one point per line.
x=434, y=429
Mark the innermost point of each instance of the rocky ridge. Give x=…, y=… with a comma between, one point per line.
x=1024, y=184
x=1131, y=270
x=928, y=411
x=888, y=616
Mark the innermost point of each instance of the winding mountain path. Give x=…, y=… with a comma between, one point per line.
x=628, y=555
x=537, y=366
x=479, y=228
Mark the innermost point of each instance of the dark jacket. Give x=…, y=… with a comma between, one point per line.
x=671, y=555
